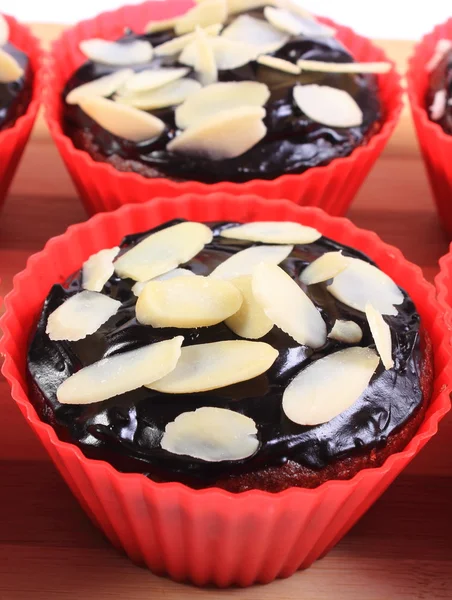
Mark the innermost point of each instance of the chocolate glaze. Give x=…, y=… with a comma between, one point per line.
x=126, y=430
x=441, y=79
x=293, y=143
x=15, y=96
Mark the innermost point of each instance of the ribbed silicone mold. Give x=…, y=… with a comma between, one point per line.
x=436, y=145
x=14, y=139
x=104, y=188
x=211, y=536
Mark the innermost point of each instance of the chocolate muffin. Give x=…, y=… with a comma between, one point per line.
x=262, y=356
x=439, y=92
x=227, y=92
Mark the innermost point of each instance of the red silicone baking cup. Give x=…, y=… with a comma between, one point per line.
x=443, y=282
x=211, y=535
x=14, y=139
x=436, y=145
x=103, y=188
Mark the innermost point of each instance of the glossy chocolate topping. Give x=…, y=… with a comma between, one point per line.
x=293, y=142
x=15, y=96
x=441, y=79
x=126, y=430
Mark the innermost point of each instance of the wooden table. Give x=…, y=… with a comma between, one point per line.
x=402, y=548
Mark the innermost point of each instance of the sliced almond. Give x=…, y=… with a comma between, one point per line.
x=441, y=49
x=438, y=107
x=104, y=86
x=123, y=121
x=173, y=274
x=177, y=44
x=187, y=302
x=351, y=67
x=228, y=134
x=382, y=335
x=171, y=94
x=348, y=332
x=246, y=261
x=80, y=315
x=218, y=97
x=209, y=12
x=204, y=64
x=228, y=54
x=4, y=30
x=115, y=53
x=153, y=78
x=329, y=386
x=279, y=64
x=295, y=7
x=238, y=6
x=294, y=24
x=327, y=105
x=247, y=29
x=10, y=70
x=211, y=434
x=273, y=232
x=164, y=250
x=287, y=306
x=162, y=25
x=121, y=373
x=250, y=321
x=361, y=284
x=212, y=366
x=98, y=269
x=323, y=268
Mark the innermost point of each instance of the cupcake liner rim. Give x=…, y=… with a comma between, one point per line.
x=429, y=425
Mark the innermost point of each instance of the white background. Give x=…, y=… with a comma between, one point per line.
x=403, y=19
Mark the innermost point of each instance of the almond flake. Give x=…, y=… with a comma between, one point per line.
x=171, y=94
x=204, y=64
x=211, y=434
x=348, y=332
x=80, y=315
x=323, y=268
x=329, y=386
x=140, y=285
x=153, y=78
x=104, y=86
x=327, y=105
x=361, y=283
x=228, y=54
x=382, y=335
x=187, y=302
x=293, y=6
x=250, y=321
x=209, y=101
x=162, y=25
x=228, y=134
x=121, y=373
x=246, y=261
x=273, y=232
x=10, y=70
x=287, y=306
x=163, y=251
x=123, y=121
x=177, y=44
x=246, y=29
x=114, y=53
x=438, y=107
x=209, y=12
x=4, y=30
x=279, y=64
x=212, y=366
x=351, y=67
x=98, y=269
x=238, y=6
x=294, y=24
x=441, y=49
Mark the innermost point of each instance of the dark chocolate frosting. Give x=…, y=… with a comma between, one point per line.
x=293, y=142
x=126, y=430
x=441, y=79
x=15, y=96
